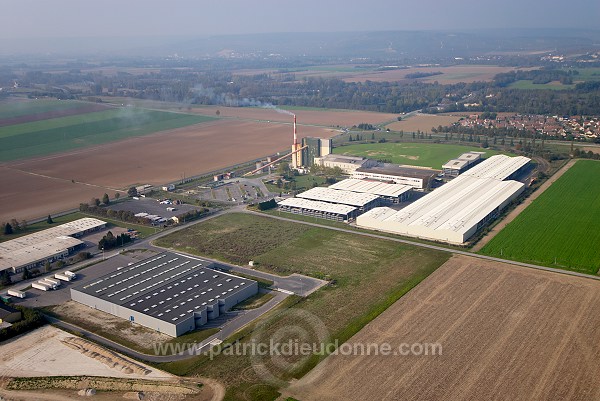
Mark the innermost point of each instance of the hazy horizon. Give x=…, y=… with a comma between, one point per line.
x=149, y=18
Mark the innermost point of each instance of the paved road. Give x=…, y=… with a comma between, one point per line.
x=436, y=247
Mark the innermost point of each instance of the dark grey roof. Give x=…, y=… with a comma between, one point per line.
x=6, y=310
x=167, y=286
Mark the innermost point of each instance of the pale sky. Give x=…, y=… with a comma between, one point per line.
x=118, y=18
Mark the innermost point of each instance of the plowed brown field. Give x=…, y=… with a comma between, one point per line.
x=508, y=333
x=424, y=122
x=329, y=118
x=153, y=159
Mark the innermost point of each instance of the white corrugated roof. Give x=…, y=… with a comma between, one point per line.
x=338, y=196
x=44, y=244
x=457, y=206
x=498, y=167
x=371, y=187
x=317, y=205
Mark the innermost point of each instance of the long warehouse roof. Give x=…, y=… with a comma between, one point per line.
x=318, y=206
x=338, y=196
x=37, y=252
x=168, y=286
x=499, y=167
x=32, y=248
x=67, y=229
x=456, y=206
x=371, y=187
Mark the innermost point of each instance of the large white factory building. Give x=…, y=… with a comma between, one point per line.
x=457, y=210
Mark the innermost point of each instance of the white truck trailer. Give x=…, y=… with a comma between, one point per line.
x=52, y=282
x=62, y=276
x=40, y=285
x=71, y=275
x=16, y=293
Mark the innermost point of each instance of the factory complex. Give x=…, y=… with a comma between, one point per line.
x=34, y=250
x=462, y=163
x=169, y=292
x=345, y=200
x=458, y=209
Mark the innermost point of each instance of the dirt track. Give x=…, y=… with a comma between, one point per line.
x=153, y=159
x=507, y=333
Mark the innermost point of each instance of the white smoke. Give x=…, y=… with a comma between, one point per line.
x=208, y=94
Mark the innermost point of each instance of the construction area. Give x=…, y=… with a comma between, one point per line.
x=169, y=292
x=454, y=212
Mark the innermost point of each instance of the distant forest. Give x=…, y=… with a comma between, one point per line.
x=189, y=86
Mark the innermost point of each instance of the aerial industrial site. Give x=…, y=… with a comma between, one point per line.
x=401, y=211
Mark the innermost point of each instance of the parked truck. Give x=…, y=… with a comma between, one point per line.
x=71, y=275
x=52, y=282
x=40, y=285
x=16, y=293
x=62, y=276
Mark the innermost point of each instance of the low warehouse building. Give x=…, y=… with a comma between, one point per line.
x=457, y=210
x=362, y=201
x=33, y=250
x=348, y=164
x=9, y=314
x=321, y=210
x=394, y=193
x=416, y=177
x=169, y=292
x=461, y=164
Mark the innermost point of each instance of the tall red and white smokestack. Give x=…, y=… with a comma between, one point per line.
x=295, y=137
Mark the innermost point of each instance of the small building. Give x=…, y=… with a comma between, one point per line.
x=416, y=177
x=9, y=314
x=462, y=163
x=318, y=209
x=361, y=201
x=392, y=193
x=348, y=164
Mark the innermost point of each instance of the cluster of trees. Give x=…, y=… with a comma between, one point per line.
x=422, y=74
x=270, y=204
x=109, y=241
x=13, y=226
x=541, y=76
x=365, y=126
x=192, y=215
x=5, y=279
x=32, y=319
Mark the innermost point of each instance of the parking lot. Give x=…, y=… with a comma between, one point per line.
x=239, y=190
x=151, y=206
x=39, y=298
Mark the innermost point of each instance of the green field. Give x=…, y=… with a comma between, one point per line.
x=367, y=276
x=432, y=155
x=560, y=228
x=61, y=134
x=11, y=108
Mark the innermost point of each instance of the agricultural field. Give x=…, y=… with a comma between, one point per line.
x=432, y=155
x=53, y=135
x=424, y=122
x=353, y=73
x=506, y=333
x=560, y=228
x=59, y=182
x=308, y=116
x=367, y=276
